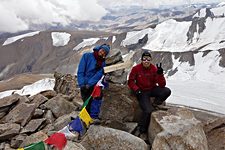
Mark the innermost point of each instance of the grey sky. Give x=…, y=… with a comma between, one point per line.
x=17, y=15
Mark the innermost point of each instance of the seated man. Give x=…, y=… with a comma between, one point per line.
x=147, y=80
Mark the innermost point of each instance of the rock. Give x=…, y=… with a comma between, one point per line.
x=215, y=132
x=176, y=129
x=7, y=147
x=2, y=114
x=8, y=131
x=48, y=128
x=65, y=84
x=64, y=120
x=116, y=125
x=23, y=99
x=103, y=138
x=38, y=99
x=118, y=77
x=8, y=101
x=49, y=116
x=49, y=94
x=38, y=113
x=219, y=122
x=114, y=57
x=216, y=138
x=22, y=113
x=73, y=146
x=33, y=125
x=17, y=141
x=2, y=145
x=34, y=138
x=131, y=126
x=118, y=104
x=59, y=106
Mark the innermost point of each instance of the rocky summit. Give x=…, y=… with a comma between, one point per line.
x=30, y=119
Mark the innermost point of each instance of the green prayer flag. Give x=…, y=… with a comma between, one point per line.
x=36, y=146
x=86, y=102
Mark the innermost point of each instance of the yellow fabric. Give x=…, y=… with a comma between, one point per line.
x=20, y=149
x=85, y=117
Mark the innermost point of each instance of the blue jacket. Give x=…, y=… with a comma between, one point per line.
x=87, y=73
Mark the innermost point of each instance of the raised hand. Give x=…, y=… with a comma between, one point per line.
x=159, y=69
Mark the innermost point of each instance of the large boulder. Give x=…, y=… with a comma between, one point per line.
x=103, y=138
x=65, y=84
x=176, y=128
x=119, y=104
x=59, y=106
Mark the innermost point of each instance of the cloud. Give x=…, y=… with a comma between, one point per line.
x=19, y=15
x=10, y=22
x=149, y=3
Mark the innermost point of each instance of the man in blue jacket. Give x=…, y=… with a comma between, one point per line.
x=90, y=71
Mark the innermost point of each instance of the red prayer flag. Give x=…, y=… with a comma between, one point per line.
x=96, y=92
x=58, y=140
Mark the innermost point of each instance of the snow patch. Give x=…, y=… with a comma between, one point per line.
x=32, y=89
x=113, y=39
x=134, y=36
x=15, y=38
x=60, y=38
x=169, y=36
x=86, y=42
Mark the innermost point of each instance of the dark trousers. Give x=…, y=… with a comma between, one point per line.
x=160, y=94
x=85, y=94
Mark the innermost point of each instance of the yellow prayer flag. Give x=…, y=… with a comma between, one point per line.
x=85, y=117
x=20, y=149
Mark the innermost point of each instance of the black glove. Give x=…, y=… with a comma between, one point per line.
x=85, y=87
x=138, y=93
x=107, y=77
x=159, y=69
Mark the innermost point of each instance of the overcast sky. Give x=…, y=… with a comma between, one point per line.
x=17, y=15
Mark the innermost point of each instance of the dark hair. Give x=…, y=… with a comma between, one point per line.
x=145, y=53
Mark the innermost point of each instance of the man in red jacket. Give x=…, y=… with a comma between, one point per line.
x=147, y=80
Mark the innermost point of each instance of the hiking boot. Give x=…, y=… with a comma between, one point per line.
x=144, y=136
x=96, y=121
x=160, y=107
x=136, y=131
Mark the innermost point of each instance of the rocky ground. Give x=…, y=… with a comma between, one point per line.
x=25, y=120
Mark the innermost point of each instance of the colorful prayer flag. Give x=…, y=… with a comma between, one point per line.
x=96, y=92
x=97, y=89
x=85, y=117
x=86, y=102
x=58, y=140
x=67, y=133
x=76, y=125
x=34, y=146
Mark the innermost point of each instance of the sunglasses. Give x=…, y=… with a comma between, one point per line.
x=146, y=59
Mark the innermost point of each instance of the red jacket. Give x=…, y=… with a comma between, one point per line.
x=145, y=78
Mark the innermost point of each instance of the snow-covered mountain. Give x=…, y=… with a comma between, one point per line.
x=192, y=53
x=124, y=18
